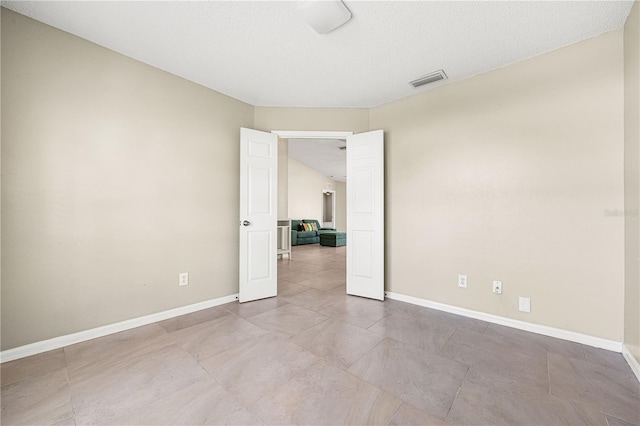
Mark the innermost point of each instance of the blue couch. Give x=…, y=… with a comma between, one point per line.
x=299, y=236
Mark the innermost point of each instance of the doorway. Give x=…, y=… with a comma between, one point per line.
x=328, y=208
x=365, y=209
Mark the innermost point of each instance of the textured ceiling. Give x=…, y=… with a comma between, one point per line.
x=263, y=54
x=323, y=155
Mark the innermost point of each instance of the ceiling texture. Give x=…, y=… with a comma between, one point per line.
x=263, y=53
x=323, y=155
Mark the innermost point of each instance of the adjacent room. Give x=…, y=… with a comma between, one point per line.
x=505, y=243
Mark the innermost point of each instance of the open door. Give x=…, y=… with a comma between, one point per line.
x=258, y=215
x=365, y=215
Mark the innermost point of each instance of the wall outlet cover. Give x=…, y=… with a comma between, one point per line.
x=462, y=281
x=524, y=304
x=183, y=279
x=497, y=287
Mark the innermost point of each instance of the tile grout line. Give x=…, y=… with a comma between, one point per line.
x=457, y=393
x=66, y=368
x=549, y=374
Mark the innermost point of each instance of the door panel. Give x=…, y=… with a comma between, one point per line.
x=365, y=215
x=258, y=215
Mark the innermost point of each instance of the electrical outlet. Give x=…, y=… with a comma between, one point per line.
x=183, y=279
x=524, y=304
x=462, y=281
x=497, y=287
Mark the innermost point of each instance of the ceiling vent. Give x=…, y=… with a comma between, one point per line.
x=429, y=78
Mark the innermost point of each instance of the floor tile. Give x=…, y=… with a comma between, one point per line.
x=87, y=358
x=338, y=264
x=612, y=391
x=453, y=320
x=495, y=400
x=408, y=415
x=251, y=309
x=278, y=362
x=338, y=275
x=607, y=359
x=413, y=330
x=358, y=311
x=399, y=306
x=121, y=389
x=313, y=299
x=212, y=337
x=336, y=342
x=612, y=421
x=296, y=276
x=421, y=378
x=258, y=366
x=194, y=318
x=36, y=400
x=204, y=402
x=288, y=288
x=340, y=290
x=36, y=365
x=324, y=283
x=491, y=355
x=288, y=320
x=535, y=343
x=326, y=395
x=299, y=266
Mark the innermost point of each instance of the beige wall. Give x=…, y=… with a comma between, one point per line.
x=326, y=119
x=115, y=179
x=283, y=178
x=507, y=176
x=329, y=119
x=305, y=191
x=632, y=180
x=341, y=206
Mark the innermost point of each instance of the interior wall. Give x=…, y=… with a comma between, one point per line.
x=328, y=119
x=514, y=175
x=283, y=178
x=341, y=206
x=305, y=191
x=113, y=172
x=116, y=177
x=632, y=180
x=306, y=119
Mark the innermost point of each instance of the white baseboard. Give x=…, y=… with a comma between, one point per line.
x=632, y=361
x=522, y=325
x=70, y=339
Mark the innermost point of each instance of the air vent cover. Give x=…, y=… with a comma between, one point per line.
x=429, y=78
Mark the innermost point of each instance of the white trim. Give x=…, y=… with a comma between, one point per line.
x=70, y=339
x=632, y=361
x=521, y=325
x=304, y=134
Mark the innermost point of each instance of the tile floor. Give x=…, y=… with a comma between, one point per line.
x=315, y=356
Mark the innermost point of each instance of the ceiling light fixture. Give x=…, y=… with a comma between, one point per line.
x=324, y=16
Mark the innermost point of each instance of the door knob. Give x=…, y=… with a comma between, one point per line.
x=246, y=223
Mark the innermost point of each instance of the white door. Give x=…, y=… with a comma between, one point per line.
x=258, y=215
x=365, y=215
